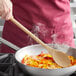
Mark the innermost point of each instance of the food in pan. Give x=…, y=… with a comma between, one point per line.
x=44, y=61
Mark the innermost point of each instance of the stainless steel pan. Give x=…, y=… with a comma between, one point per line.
x=35, y=50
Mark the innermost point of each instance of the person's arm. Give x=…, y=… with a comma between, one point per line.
x=5, y=9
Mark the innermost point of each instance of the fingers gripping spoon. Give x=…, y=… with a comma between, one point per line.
x=59, y=57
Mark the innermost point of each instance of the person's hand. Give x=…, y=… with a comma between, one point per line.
x=5, y=9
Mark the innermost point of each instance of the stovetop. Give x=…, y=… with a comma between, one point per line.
x=8, y=66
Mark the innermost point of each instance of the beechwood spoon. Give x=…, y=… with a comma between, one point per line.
x=59, y=57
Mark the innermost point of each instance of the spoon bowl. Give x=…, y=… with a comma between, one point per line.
x=61, y=58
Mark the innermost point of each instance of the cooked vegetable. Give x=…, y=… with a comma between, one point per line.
x=44, y=61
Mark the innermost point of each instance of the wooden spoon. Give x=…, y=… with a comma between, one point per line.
x=59, y=57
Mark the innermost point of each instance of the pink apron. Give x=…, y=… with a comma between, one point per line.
x=48, y=19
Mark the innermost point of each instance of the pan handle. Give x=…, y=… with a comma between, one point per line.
x=9, y=44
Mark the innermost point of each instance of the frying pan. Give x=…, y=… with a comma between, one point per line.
x=35, y=50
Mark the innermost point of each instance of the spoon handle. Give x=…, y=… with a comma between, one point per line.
x=50, y=50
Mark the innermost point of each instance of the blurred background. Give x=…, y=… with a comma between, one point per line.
x=73, y=18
